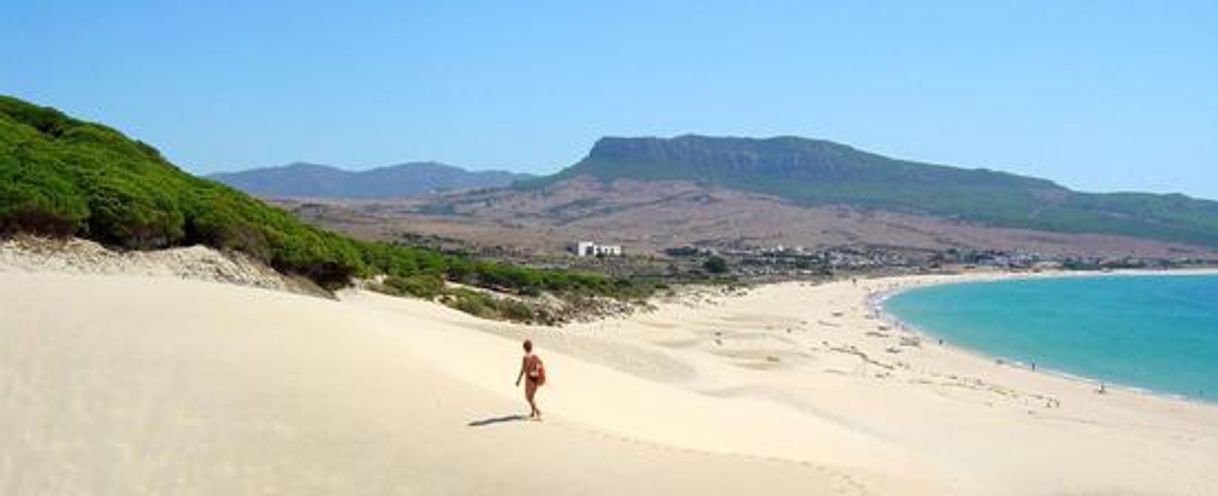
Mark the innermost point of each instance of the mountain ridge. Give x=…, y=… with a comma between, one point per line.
x=813, y=172
x=304, y=179
x=806, y=172
x=832, y=160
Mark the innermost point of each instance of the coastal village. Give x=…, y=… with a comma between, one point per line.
x=796, y=262
x=778, y=262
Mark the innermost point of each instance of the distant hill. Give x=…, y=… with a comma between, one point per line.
x=648, y=217
x=323, y=181
x=816, y=173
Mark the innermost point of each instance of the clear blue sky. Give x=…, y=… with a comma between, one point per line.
x=1102, y=95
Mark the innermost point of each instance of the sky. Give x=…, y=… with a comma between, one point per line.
x=1097, y=95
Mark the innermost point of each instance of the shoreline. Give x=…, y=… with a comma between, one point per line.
x=875, y=304
x=825, y=350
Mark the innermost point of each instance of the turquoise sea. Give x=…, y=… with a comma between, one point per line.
x=1158, y=333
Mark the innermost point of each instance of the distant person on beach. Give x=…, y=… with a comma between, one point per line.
x=534, y=372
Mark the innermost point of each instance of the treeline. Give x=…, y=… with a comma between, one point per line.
x=64, y=177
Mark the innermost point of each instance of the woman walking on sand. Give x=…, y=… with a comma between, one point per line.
x=534, y=371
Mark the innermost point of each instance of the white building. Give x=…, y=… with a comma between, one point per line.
x=590, y=249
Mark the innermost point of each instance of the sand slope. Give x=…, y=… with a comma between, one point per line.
x=134, y=385
x=146, y=385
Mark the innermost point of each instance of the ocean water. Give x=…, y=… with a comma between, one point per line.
x=1158, y=333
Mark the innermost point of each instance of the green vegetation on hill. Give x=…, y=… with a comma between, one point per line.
x=64, y=177
x=815, y=172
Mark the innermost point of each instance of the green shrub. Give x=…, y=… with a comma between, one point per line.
x=516, y=311
x=421, y=286
x=475, y=303
x=715, y=265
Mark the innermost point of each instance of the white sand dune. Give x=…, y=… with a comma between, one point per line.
x=132, y=385
x=145, y=385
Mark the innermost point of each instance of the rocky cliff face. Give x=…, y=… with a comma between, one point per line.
x=782, y=158
x=818, y=173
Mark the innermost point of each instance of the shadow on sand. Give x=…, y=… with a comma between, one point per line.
x=497, y=420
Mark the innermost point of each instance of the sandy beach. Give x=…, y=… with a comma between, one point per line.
x=143, y=384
